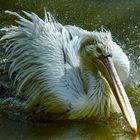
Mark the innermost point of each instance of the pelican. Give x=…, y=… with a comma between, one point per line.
x=66, y=71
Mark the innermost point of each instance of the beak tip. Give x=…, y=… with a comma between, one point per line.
x=134, y=131
x=132, y=122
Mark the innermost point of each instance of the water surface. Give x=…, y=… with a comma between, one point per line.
x=122, y=18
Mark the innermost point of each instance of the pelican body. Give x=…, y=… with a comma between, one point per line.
x=67, y=71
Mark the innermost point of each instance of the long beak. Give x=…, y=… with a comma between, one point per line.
x=107, y=68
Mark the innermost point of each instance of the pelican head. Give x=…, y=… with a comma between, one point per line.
x=96, y=54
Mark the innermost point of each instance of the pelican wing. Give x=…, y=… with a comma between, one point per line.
x=44, y=62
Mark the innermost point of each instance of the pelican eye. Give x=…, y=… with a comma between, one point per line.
x=99, y=51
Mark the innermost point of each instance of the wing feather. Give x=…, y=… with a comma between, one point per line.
x=43, y=60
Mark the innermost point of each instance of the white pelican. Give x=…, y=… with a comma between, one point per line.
x=67, y=71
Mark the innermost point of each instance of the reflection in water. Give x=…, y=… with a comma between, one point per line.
x=122, y=18
x=59, y=130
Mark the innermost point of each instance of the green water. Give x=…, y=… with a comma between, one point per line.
x=122, y=18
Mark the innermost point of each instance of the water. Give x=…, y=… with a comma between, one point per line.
x=122, y=18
